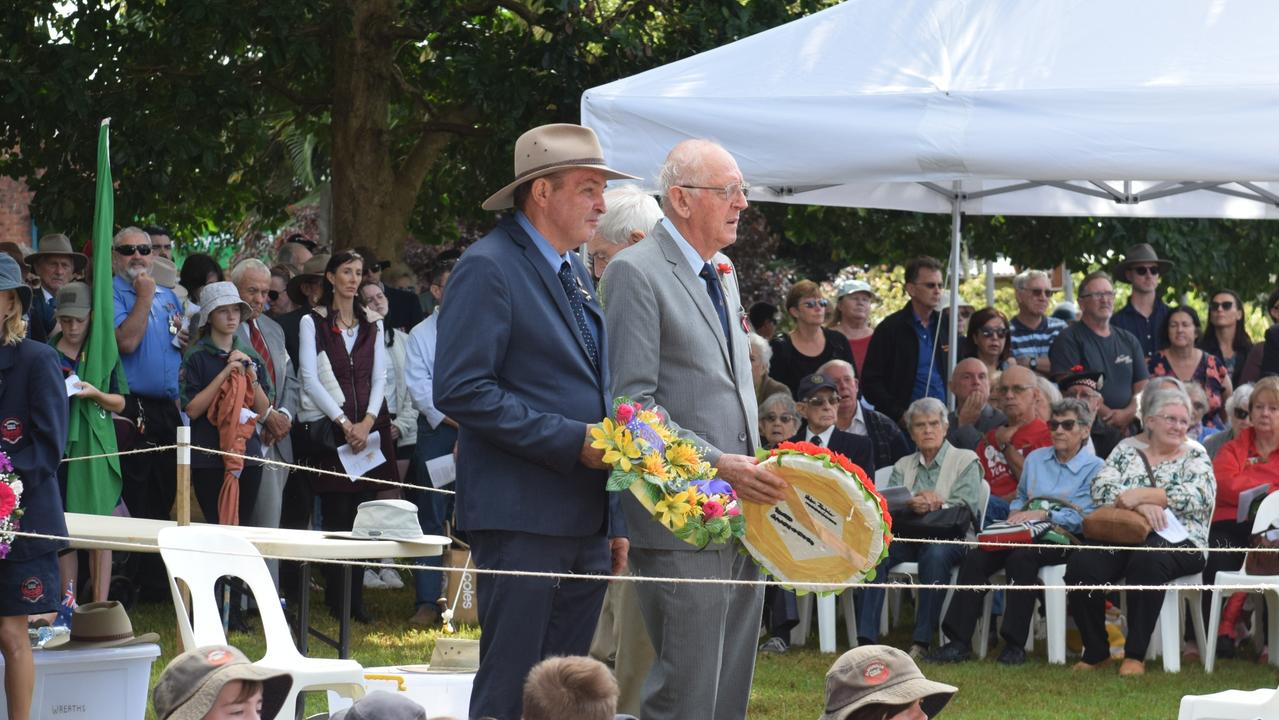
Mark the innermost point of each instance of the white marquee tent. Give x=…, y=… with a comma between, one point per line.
x=1023, y=107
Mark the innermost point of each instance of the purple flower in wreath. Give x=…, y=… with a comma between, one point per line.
x=713, y=486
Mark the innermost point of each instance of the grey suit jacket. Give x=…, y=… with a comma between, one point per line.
x=667, y=349
x=285, y=380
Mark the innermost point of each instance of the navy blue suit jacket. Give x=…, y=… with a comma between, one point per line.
x=33, y=433
x=513, y=371
x=857, y=448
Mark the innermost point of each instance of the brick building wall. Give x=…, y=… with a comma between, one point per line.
x=15, y=211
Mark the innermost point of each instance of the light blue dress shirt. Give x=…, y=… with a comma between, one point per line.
x=1043, y=475
x=419, y=369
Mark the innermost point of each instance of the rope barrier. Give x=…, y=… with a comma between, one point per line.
x=818, y=587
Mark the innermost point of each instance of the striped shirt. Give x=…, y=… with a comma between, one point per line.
x=1033, y=342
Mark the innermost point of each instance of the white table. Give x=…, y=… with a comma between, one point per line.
x=99, y=531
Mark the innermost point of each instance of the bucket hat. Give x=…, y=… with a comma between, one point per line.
x=848, y=287
x=221, y=294
x=880, y=674
x=100, y=625
x=548, y=149
x=57, y=245
x=388, y=520
x=190, y=684
x=11, y=278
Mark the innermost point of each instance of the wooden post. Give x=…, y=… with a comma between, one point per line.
x=182, y=506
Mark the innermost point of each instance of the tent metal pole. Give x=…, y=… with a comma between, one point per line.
x=990, y=283
x=956, y=205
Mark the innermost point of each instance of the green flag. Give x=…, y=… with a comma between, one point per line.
x=93, y=486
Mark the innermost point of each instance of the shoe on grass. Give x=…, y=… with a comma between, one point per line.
x=1085, y=666
x=427, y=615
x=951, y=652
x=1012, y=655
x=918, y=651
x=391, y=578
x=774, y=646
x=372, y=580
x=1225, y=647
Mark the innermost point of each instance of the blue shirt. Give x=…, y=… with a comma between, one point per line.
x=555, y=260
x=1044, y=476
x=419, y=368
x=695, y=261
x=928, y=380
x=152, y=368
x=1149, y=330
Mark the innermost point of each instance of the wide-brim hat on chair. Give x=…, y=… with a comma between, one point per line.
x=100, y=625
x=388, y=520
x=1141, y=254
x=549, y=149
x=313, y=270
x=57, y=244
x=221, y=294
x=11, y=278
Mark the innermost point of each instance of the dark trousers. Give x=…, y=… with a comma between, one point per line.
x=434, y=509
x=526, y=619
x=296, y=505
x=337, y=512
x=781, y=611
x=1021, y=565
x=1096, y=567
x=149, y=489
x=207, y=484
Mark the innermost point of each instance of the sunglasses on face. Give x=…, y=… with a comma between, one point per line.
x=273, y=295
x=1147, y=270
x=810, y=304
x=1223, y=305
x=1040, y=292
x=772, y=418
x=929, y=285
x=1241, y=414
x=1098, y=295
x=1067, y=425
x=129, y=250
x=818, y=402
x=993, y=332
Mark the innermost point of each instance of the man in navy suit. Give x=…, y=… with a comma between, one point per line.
x=524, y=377
x=818, y=401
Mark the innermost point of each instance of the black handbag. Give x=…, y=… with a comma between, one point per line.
x=321, y=434
x=950, y=523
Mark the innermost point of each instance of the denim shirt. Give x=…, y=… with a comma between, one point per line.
x=1044, y=476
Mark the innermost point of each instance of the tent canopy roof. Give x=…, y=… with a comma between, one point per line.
x=1105, y=108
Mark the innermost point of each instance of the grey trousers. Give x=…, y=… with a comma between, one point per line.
x=704, y=636
x=266, y=512
x=621, y=641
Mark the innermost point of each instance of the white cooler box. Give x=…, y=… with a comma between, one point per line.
x=98, y=684
x=439, y=693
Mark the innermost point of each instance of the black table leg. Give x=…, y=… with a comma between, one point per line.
x=304, y=606
x=344, y=632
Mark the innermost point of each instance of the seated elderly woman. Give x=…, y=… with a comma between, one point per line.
x=761, y=356
x=778, y=419
x=1170, y=483
x=939, y=476
x=1056, y=485
x=1250, y=460
x=1237, y=415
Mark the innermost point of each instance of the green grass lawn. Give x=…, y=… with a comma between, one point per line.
x=789, y=687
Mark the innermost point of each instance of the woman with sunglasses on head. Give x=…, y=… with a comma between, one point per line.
x=1182, y=360
x=798, y=353
x=987, y=339
x=1226, y=337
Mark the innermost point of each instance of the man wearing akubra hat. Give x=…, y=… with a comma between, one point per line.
x=1145, y=314
x=56, y=264
x=33, y=432
x=525, y=376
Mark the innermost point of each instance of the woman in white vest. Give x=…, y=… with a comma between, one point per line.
x=939, y=476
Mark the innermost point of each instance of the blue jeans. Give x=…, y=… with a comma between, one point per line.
x=935, y=564
x=433, y=509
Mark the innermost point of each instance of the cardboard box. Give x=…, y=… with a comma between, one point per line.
x=98, y=684
x=466, y=611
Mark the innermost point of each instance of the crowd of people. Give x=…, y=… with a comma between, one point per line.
x=581, y=294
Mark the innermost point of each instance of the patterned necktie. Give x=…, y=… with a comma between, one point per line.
x=579, y=313
x=259, y=344
x=713, y=289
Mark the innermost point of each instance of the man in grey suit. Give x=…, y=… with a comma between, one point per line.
x=253, y=279
x=677, y=335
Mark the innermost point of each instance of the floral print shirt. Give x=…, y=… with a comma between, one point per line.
x=1188, y=481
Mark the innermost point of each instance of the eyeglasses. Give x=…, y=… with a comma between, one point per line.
x=1223, y=305
x=993, y=332
x=1241, y=414
x=810, y=304
x=161, y=246
x=785, y=417
x=728, y=192
x=929, y=285
x=1040, y=292
x=1147, y=270
x=818, y=402
x=273, y=295
x=129, y=250
x=1067, y=425
x=1010, y=389
x=1098, y=295
x=1173, y=421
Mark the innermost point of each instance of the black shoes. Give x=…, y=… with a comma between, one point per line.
x=951, y=652
x=1012, y=655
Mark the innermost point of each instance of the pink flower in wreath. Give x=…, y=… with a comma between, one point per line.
x=711, y=510
x=625, y=413
x=734, y=510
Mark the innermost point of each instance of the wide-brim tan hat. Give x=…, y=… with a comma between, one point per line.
x=312, y=270
x=57, y=244
x=1141, y=254
x=100, y=625
x=551, y=148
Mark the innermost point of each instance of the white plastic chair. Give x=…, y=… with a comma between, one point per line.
x=1166, y=638
x=882, y=475
x=199, y=556
x=908, y=572
x=1260, y=704
x=1054, y=610
x=1267, y=517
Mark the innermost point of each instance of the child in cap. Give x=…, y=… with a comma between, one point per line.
x=217, y=682
x=878, y=682
x=73, y=314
